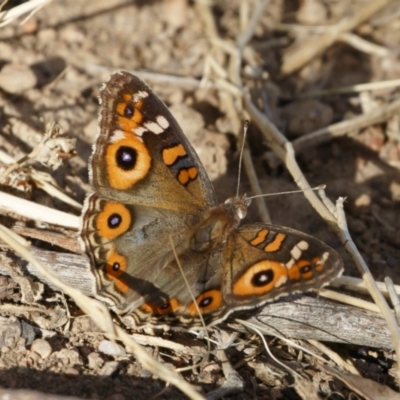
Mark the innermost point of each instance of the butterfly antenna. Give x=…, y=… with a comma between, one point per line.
x=245, y=128
x=289, y=192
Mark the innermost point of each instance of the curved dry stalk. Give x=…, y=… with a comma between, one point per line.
x=368, y=280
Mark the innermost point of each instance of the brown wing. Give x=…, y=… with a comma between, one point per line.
x=141, y=155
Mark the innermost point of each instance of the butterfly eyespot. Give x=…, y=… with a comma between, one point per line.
x=165, y=306
x=263, y=278
x=116, y=266
x=305, y=269
x=205, y=302
x=126, y=158
x=128, y=111
x=114, y=221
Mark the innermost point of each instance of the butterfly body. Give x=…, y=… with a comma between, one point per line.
x=159, y=245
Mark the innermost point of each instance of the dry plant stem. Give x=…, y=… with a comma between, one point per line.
x=345, y=299
x=255, y=186
x=357, y=285
x=394, y=298
x=363, y=45
x=369, y=281
x=381, y=85
x=283, y=149
x=335, y=357
x=248, y=33
x=6, y=17
x=315, y=138
x=37, y=212
x=99, y=313
x=299, y=55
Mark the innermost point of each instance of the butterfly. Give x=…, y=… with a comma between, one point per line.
x=160, y=247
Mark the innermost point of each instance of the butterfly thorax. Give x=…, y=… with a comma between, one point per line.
x=217, y=224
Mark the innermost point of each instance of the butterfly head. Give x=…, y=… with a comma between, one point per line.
x=237, y=206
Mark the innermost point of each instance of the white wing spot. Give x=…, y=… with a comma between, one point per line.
x=139, y=131
x=303, y=245
x=162, y=121
x=140, y=95
x=281, y=281
x=290, y=264
x=296, y=252
x=116, y=136
x=154, y=127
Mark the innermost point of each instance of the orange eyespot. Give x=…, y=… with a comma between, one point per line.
x=206, y=302
x=127, y=160
x=261, y=278
x=168, y=307
x=113, y=220
x=115, y=267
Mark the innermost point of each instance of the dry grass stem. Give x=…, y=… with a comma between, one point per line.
x=369, y=280
x=363, y=45
x=301, y=53
x=361, y=87
x=357, y=285
x=350, y=300
x=346, y=365
x=37, y=212
x=343, y=128
x=6, y=17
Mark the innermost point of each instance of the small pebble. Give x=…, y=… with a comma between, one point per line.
x=16, y=78
x=109, y=368
x=111, y=348
x=41, y=347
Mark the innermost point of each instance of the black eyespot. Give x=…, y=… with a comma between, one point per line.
x=164, y=306
x=116, y=266
x=126, y=158
x=205, y=302
x=114, y=221
x=128, y=112
x=263, y=278
x=305, y=268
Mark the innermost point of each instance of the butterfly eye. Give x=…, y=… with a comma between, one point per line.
x=126, y=158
